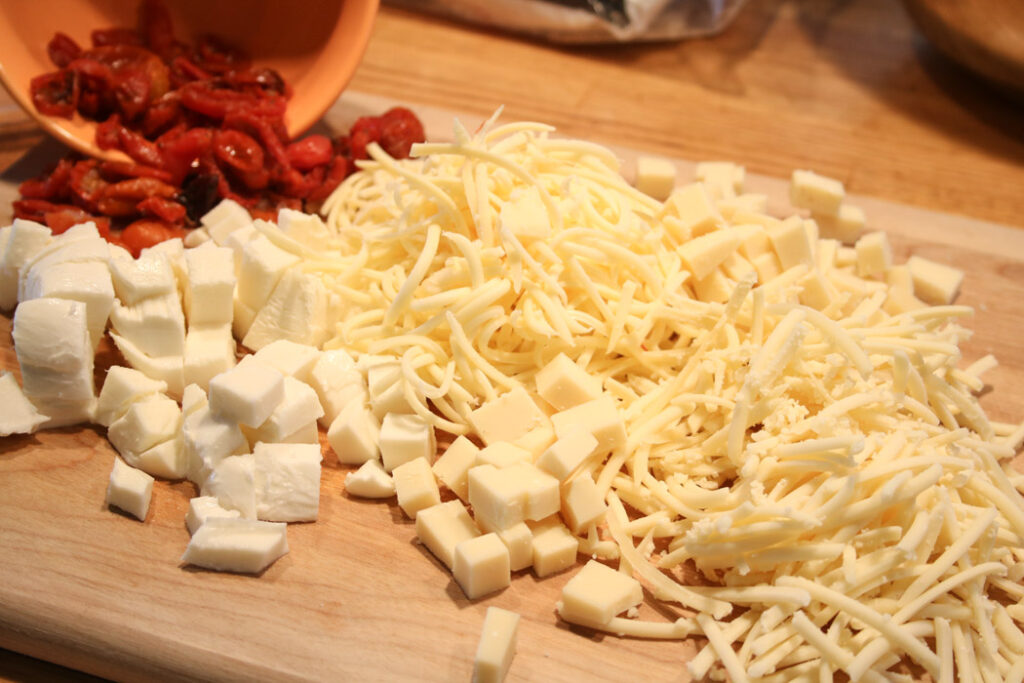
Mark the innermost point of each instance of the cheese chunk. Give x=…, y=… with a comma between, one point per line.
x=518, y=539
x=567, y=453
x=144, y=425
x=86, y=281
x=208, y=440
x=247, y=393
x=723, y=179
x=502, y=454
x=507, y=418
x=79, y=244
x=24, y=240
x=702, y=255
x=599, y=417
x=404, y=438
x=209, y=351
x=167, y=369
x=442, y=527
x=260, y=269
x=817, y=193
x=539, y=489
x=203, y=508
x=210, y=286
x=232, y=481
x=337, y=383
x=415, y=486
x=695, y=211
x=355, y=435
x=655, y=177
x=597, y=593
x=19, y=415
x=166, y=459
x=452, y=467
x=564, y=384
x=386, y=388
x=791, y=242
x=174, y=251
x=874, y=255
x=192, y=399
x=497, y=501
x=497, y=646
x=236, y=545
x=121, y=388
x=150, y=275
x=129, y=489
x=525, y=215
x=224, y=219
x=155, y=325
x=287, y=478
x=537, y=440
x=582, y=504
x=290, y=359
x=481, y=566
x=846, y=226
x=935, y=283
x=370, y=481
x=298, y=310
x=298, y=408
x=305, y=228
x=554, y=547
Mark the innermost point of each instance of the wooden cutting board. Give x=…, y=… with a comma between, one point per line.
x=357, y=597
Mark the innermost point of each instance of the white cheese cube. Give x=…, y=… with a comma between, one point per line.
x=539, y=489
x=404, y=438
x=65, y=248
x=564, y=384
x=597, y=593
x=224, y=219
x=817, y=193
x=498, y=501
x=935, y=283
x=502, y=454
x=298, y=409
x=210, y=287
x=537, y=440
x=694, y=211
x=307, y=433
x=167, y=369
x=236, y=242
x=174, y=251
x=525, y=215
x=287, y=482
x=846, y=226
x=145, y=424
x=298, y=309
x=452, y=467
x=192, y=399
x=306, y=229
x=481, y=566
x=337, y=383
x=25, y=239
x=655, y=177
x=291, y=359
x=148, y=276
x=156, y=325
x=355, y=435
x=51, y=341
x=260, y=269
x=166, y=459
x=203, y=508
x=508, y=417
x=582, y=504
x=497, y=646
x=600, y=417
x=386, y=388
x=247, y=393
x=243, y=317
x=370, y=481
x=88, y=282
x=442, y=527
x=209, y=351
x=233, y=482
x=208, y=440
x=19, y=416
x=415, y=486
x=874, y=255
x=554, y=548
x=197, y=237
x=129, y=489
x=518, y=539
x=567, y=453
x=237, y=545
x=122, y=387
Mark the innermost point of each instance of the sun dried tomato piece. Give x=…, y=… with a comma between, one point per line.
x=108, y=133
x=155, y=27
x=184, y=152
x=67, y=216
x=184, y=70
x=32, y=209
x=399, y=130
x=262, y=130
x=131, y=89
x=55, y=94
x=365, y=130
x=126, y=169
x=87, y=184
x=215, y=100
x=62, y=50
x=257, y=81
x=216, y=56
x=115, y=36
x=117, y=207
x=339, y=169
x=139, y=148
x=137, y=189
x=164, y=209
x=126, y=58
x=310, y=152
x=145, y=233
x=52, y=185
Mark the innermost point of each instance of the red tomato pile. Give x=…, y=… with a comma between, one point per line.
x=200, y=124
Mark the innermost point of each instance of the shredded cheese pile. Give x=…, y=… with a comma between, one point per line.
x=810, y=478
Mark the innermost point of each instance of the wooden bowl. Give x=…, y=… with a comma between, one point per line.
x=315, y=45
x=986, y=36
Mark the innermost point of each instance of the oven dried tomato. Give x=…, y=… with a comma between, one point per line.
x=165, y=209
x=67, y=216
x=139, y=148
x=310, y=152
x=62, y=50
x=54, y=185
x=155, y=27
x=399, y=130
x=147, y=232
x=126, y=169
x=87, y=184
x=365, y=130
x=182, y=153
x=55, y=94
x=115, y=36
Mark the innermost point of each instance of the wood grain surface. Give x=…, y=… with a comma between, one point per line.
x=844, y=87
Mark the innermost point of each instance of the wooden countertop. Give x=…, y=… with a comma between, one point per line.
x=847, y=88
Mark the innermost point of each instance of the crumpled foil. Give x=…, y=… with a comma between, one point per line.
x=589, y=21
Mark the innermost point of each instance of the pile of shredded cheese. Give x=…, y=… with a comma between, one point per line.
x=810, y=478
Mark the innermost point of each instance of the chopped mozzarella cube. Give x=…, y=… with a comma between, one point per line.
x=287, y=482
x=145, y=424
x=19, y=415
x=247, y=393
x=415, y=486
x=210, y=286
x=237, y=545
x=233, y=482
x=370, y=481
x=295, y=360
x=404, y=438
x=148, y=276
x=355, y=435
x=129, y=489
x=121, y=388
x=203, y=508
x=209, y=351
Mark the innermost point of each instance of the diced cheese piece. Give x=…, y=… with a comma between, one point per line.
x=122, y=387
x=208, y=440
x=298, y=309
x=874, y=255
x=224, y=219
x=167, y=369
x=174, y=250
x=539, y=488
x=655, y=177
x=233, y=482
x=287, y=482
x=502, y=454
x=817, y=291
x=597, y=593
x=564, y=384
x=497, y=646
x=355, y=435
x=129, y=489
x=247, y=393
x=337, y=383
x=817, y=193
x=845, y=227
x=166, y=459
x=481, y=566
x=582, y=504
x=497, y=501
x=197, y=237
x=554, y=547
x=452, y=467
x=694, y=208
x=404, y=438
x=767, y=267
x=791, y=242
x=209, y=351
x=87, y=281
x=723, y=179
x=25, y=240
x=600, y=417
x=78, y=244
x=442, y=527
x=370, y=481
x=202, y=508
x=192, y=399
x=19, y=415
x=702, y=255
x=386, y=389
x=415, y=486
x=236, y=242
x=716, y=287
x=508, y=417
x=147, y=276
x=305, y=228
x=156, y=325
x=242, y=320
x=261, y=267
x=935, y=283
x=567, y=453
x=518, y=538
x=210, y=287
x=145, y=424
x=525, y=216
x=307, y=433
x=236, y=545
x=298, y=408
x=295, y=360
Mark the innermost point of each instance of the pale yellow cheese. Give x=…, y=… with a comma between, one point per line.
x=874, y=255
x=452, y=467
x=497, y=646
x=582, y=504
x=481, y=565
x=934, y=283
x=820, y=194
x=415, y=486
x=655, y=176
x=508, y=417
x=564, y=384
x=694, y=209
x=554, y=547
x=442, y=527
x=599, y=417
x=502, y=454
x=597, y=593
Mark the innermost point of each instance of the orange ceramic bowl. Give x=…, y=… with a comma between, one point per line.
x=315, y=45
